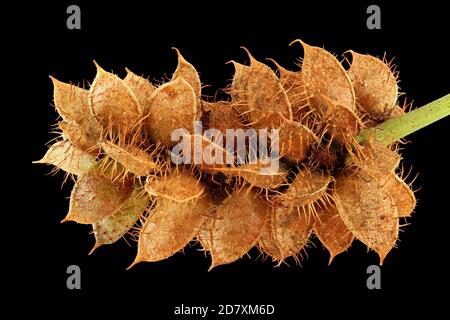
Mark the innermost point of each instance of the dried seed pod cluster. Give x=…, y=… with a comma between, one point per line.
x=117, y=139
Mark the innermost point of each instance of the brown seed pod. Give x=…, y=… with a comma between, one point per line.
x=212, y=155
x=375, y=85
x=401, y=194
x=236, y=228
x=367, y=210
x=178, y=186
x=377, y=158
x=291, y=230
x=339, y=122
x=132, y=158
x=267, y=102
x=172, y=106
x=307, y=188
x=267, y=243
x=332, y=231
x=188, y=72
x=95, y=197
x=170, y=226
x=222, y=116
x=295, y=88
x=295, y=140
x=64, y=155
x=318, y=177
x=110, y=229
x=141, y=87
x=254, y=174
x=75, y=133
x=238, y=88
x=206, y=154
x=71, y=102
x=324, y=76
x=114, y=104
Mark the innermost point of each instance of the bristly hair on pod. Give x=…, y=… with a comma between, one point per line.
x=120, y=142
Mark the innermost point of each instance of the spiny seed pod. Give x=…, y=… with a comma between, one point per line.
x=377, y=158
x=63, y=155
x=295, y=140
x=172, y=106
x=325, y=76
x=188, y=72
x=176, y=218
x=95, y=196
x=267, y=243
x=114, y=105
x=238, y=88
x=71, y=102
x=368, y=212
x=339, y=122
x=332, y=231
x=75, y=133
x=221, y=116
x=401, y=194
x=236, y=227
x=143, y=164
x=188, y=186
x=141, y=87
x=288, y=234
x=294, y=85
x=110, y=229
x=168, y=229
x=256, y=176
x=375, y=85
x=170, y=226
x=132, y=158
x=292, y=229
x=307, y=188
x=267, y=102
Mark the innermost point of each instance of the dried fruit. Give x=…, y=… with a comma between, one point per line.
x=110, y=229
x=236, y=227
x=368, y=212
x=132, y=158
x=307, y=187
x=187, y=71
x=155, y=159
x=294, y=85
x=401, y=194
x=291, y=231
x=63, y=155
x=375, y=85
x=256, y=177
x=141, y=87
x=169, y=228
x=325, y=76
x=295, y=140
x=114, y=104
x=95, y=196
x=172, y=106
x=266, y=103
x=332, y=231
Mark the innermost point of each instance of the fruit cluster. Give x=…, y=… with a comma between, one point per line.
x=116, y=139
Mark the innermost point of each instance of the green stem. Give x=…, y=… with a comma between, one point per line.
x=399, y=127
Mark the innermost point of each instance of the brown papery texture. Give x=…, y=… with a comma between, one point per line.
x=167, y=166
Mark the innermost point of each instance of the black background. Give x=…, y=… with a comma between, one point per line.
x=138, y=36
